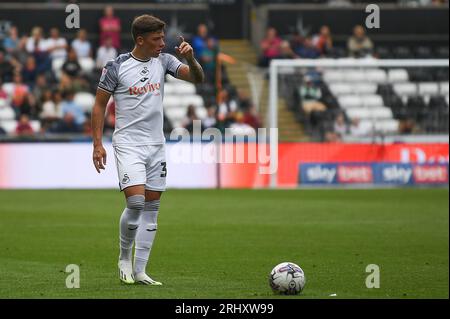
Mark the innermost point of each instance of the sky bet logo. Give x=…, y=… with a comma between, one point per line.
x=319, y=174
x=397, y=174
x=148, y=88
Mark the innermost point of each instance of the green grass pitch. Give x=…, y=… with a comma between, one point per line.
x=223, y=243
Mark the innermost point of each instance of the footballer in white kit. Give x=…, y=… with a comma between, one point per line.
x=136, y=82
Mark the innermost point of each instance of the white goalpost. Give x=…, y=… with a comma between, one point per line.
x=278, y=67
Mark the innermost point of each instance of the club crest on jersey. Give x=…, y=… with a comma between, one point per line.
x=126, y=179
x=144, y=71
x=148, y=88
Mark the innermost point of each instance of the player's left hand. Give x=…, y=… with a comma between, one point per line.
x=185, y=50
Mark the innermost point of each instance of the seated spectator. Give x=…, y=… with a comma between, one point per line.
x=270, y=47
x=359, y=44
x=227, y=108
x=71, y=77
x=72, y=67
x=191, y=116
x=6, y=69
x=307, y=50
x=37, y=46
x=12, y=41
x=29, y=107
x=244, y=100
x=310, y=95
x=251, y=117
x=105, y=53
x=110, y=27
x=323, y=41
x=286, y=51
x=240, y=127
x=340, y=126
x=36, y=42
x=210, y=120
x=19, y=95
x=81, y=45
x=56, y=45
x=332, y=137
x=40, y=86
x=49, y=111
x=23, y=127
x=68, y=106
x=356, y=129
x=67, y=125
x=296, y=41
x=407, y=126
x=76, y=84
x=3, y=94
x=29, y=72
x=57, y=98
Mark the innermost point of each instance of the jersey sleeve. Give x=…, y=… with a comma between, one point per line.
x=109, y=79
x=171, y=64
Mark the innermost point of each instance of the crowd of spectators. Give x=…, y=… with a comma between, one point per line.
x=229, y=107
x=311, y=100
x=36, y=92
x=30, y=85
x=312, y=46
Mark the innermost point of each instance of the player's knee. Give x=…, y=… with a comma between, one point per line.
x=152, y=206
x=136, y=202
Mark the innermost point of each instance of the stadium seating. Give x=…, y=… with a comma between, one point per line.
x=87, y=66
x=178, y=95
x=6, y=111
x=379, y=98
x=86, y=100
x=10, y=126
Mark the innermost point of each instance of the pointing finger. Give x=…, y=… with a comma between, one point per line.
x=183, y=45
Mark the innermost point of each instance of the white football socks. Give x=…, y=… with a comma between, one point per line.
x=146, y=235
x=129, y=223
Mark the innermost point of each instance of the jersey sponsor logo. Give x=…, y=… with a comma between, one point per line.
x=148, y=88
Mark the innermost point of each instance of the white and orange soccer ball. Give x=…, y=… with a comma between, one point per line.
x=287, y=279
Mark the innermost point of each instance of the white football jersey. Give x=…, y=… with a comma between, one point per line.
x=138, y=90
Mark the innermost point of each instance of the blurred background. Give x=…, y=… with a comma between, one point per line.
x=383, y=126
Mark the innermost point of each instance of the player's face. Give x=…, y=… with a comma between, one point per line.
x=153, y=43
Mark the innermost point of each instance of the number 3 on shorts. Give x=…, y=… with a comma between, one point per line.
x=164, y=169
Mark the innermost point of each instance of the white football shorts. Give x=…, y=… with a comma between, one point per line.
x=142, y=165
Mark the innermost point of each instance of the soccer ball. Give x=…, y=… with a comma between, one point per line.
x=287, y=279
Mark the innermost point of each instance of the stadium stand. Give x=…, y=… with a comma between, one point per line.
x=379, y=101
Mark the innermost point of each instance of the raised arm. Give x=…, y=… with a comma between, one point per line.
x=193, y=71
x=98, y=120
